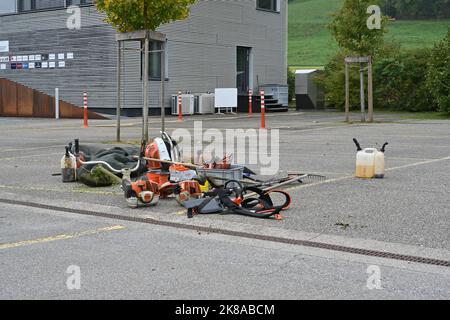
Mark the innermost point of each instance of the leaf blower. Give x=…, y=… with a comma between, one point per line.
x=141, y=193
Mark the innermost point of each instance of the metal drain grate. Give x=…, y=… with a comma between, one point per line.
x=304, y=243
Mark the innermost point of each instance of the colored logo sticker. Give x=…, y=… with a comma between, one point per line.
x=25, y=66
x=38, y=65
x=13, y=66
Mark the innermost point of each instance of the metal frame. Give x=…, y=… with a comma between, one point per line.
x=361, y=61
x=142, y=36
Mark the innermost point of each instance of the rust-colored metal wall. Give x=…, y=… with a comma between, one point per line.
x=17, y=100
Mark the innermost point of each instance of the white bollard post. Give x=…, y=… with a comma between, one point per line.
x=56, y=103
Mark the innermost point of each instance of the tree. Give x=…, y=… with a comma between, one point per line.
x=133, y=15
x=349, y=28
x=438, y=77
x=417, y=9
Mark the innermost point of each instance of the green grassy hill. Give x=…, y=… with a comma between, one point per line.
x=311, y=44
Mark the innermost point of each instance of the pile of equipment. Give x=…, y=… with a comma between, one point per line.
x=154, y=171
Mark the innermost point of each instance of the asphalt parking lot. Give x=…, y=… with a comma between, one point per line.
x=407, y=212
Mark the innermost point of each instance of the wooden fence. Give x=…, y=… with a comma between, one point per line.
x=17, y=100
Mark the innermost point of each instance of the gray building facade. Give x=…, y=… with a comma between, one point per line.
x=223, y=44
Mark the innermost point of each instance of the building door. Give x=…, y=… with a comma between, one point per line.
x=243, y=69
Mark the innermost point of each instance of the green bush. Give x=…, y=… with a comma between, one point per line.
x=438, y=77
x=400, y=82
x=411, y=80
x=291, y=84
x=332, y=80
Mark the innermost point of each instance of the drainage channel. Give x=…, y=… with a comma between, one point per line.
x=304, y=243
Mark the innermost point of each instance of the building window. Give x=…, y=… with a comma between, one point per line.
x=8, y=6
x=19, y=6
x=154, y=60
x=268, y=5
x=33, y=5
x=78, y=2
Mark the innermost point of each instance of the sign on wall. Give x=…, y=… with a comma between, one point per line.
x=4, y=46
x=35, y=61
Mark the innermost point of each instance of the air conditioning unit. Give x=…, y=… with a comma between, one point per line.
x=187, y=104
x=204, y=103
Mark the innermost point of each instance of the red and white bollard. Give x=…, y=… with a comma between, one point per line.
x=263, y=110
x=180, y=107
x=250, y=103
x=85, y=105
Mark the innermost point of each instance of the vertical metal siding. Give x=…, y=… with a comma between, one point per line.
x=201, y=52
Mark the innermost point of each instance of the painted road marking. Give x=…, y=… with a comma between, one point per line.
x=59, y=237
x=88, y=191
x=418, y=164
x=31, y=156
x=36, y=148
x=353, y=176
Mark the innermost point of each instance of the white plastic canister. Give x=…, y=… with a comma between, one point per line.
x=365, y=163
x=379, y=165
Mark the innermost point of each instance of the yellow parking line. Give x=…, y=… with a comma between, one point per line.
x=36, y=148
x=76, y=190
x=30, y=156
x=59, y=237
